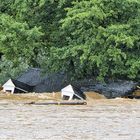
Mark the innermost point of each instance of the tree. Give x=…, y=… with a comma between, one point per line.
x=18, y=40
x=101, y=40
x=32, y=25
x=20, y=43
x=28, y=30
x=88, y=38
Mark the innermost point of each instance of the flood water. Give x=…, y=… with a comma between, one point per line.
x=116, y=119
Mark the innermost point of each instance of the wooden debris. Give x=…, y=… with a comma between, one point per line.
x=60, y=103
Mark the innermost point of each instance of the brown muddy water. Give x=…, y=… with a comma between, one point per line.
x=100, y=119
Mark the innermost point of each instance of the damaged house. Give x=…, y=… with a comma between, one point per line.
x=32, y=80
x=38, y=82
x=72, y=92
x=15, y=86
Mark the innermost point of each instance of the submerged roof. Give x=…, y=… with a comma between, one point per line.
x=31, y=76
x=22, y=85
x=19, y=85
x=43, y=83
x=75, y=91
x=78, y=92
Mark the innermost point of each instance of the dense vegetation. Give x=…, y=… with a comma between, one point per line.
x=84, y=38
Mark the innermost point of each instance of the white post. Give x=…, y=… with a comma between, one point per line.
x=12, y=91
x=71, y=96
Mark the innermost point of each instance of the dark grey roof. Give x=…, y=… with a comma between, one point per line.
x=112, y=89
x=41, y=82
x=31, y=76
x=78, y=92
x=22, y=85
x=53, y=82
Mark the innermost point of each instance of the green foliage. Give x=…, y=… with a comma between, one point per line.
x=102, y=40
x=19, y=42
x=8, y=69
x=17, y=39
x=87, y=38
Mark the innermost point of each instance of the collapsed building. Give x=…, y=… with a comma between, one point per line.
x=40, y=83
x=43, y=82
x=15, y=86
x=72, y=92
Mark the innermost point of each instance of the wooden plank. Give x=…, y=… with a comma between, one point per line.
x=60, y=103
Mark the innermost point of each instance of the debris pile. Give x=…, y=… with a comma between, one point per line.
x=39, y=83
x=113, y=89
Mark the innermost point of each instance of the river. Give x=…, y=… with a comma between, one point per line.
x=115, y=119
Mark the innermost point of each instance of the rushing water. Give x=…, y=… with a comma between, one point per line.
x=100, y=120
